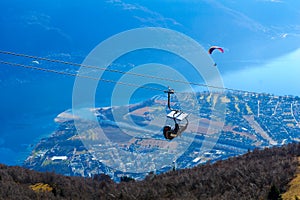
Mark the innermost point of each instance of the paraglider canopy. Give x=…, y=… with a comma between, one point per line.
x=212, y=48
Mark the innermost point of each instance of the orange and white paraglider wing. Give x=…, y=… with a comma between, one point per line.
x=212, y=48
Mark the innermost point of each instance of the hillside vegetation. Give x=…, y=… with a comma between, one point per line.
x=294, y=187
x=250, y=176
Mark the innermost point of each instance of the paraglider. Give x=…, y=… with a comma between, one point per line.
x=212, y=48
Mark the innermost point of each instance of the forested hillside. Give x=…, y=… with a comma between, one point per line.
x=255, y=175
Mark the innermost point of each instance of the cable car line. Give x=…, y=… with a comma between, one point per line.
x=77, y=75
x=191, y=111
x=87, y=77
x=118, y=71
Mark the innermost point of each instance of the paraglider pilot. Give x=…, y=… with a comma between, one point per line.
x=169, y=133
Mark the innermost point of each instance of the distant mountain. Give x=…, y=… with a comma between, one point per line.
x=261, y=174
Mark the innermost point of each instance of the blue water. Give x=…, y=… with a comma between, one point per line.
x=278, y=76
x=28, y=108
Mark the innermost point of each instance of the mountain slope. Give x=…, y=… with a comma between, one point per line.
x=294, y=186
x=250, y=176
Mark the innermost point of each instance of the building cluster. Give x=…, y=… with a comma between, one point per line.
x=251, y=121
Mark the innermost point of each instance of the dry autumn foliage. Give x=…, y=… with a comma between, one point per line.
x=250, y=176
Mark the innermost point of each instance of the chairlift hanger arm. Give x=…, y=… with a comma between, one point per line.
x=169, y=91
